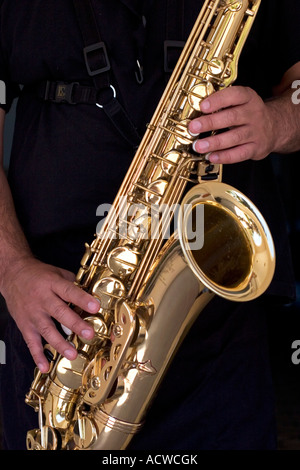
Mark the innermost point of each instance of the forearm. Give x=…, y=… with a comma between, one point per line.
x=285, y=117
x=13, y=244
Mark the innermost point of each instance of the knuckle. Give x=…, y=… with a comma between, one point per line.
x=52, y=336
x=227, y=158
x=58, y=345
x=32, y=346
x=59, y=312
x=46, y=330
x=72, y=294
x=217, y=142
x=208, y=123
x=68, y=290
x=238, y=136
x=232, y=117
x=76, y=326
x=244, y=154
x=231, y=156
x=244, y=93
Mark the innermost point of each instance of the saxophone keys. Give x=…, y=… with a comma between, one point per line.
x=234, y=5
x=155, y=191
x=140, y=225
x=108, y=290
x=100, y=386
x=250, y=12
x=170, y=161
x=181, y=132
x=198, y=93
x=216, y=66
x=100, y=329
x=85, y=432
x=122, y=261
x=69, y=373
x=50, y=440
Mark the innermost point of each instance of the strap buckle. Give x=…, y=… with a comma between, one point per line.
x=172, y=51
x=62, y=93
x=94, y=55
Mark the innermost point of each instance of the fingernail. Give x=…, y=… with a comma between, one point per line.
x=205, y=105
x=70, y=354
x=43, y=367
x=202, y=145
x=94, y=305
x=195, y=128
x=192, y=134
x=88, y=334
x=214, y=158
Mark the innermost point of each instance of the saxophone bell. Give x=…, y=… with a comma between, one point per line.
x=237, y=259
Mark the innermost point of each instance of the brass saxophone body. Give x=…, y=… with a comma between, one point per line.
x=151, y=290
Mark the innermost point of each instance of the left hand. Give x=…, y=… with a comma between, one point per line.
x=248, y=122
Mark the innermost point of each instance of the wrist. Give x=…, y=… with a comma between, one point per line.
x=284, y=118
x=274, y=118
x=10, y=267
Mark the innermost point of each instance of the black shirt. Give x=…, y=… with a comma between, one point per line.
x=67, y=160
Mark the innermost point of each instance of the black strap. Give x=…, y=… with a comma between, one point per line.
x=95, y=53
x=174, y=42
x=99, y=68
x=67, y=92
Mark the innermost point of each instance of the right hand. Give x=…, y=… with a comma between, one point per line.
x=35, y=293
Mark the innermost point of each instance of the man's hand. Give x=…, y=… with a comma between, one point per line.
x=247, y=121
x=35, y=293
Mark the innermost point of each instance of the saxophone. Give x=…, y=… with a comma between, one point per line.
x=152, y=286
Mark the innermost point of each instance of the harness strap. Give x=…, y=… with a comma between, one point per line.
x=99, y=68
x=174, y=42
x=67, y=92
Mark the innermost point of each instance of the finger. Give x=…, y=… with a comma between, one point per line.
x=225, y=140
x=231, y=117
x=70, y=319
x=34, y=344
x=71, y=293
x=49, y=332
x=232, y=96
x=234, y=155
